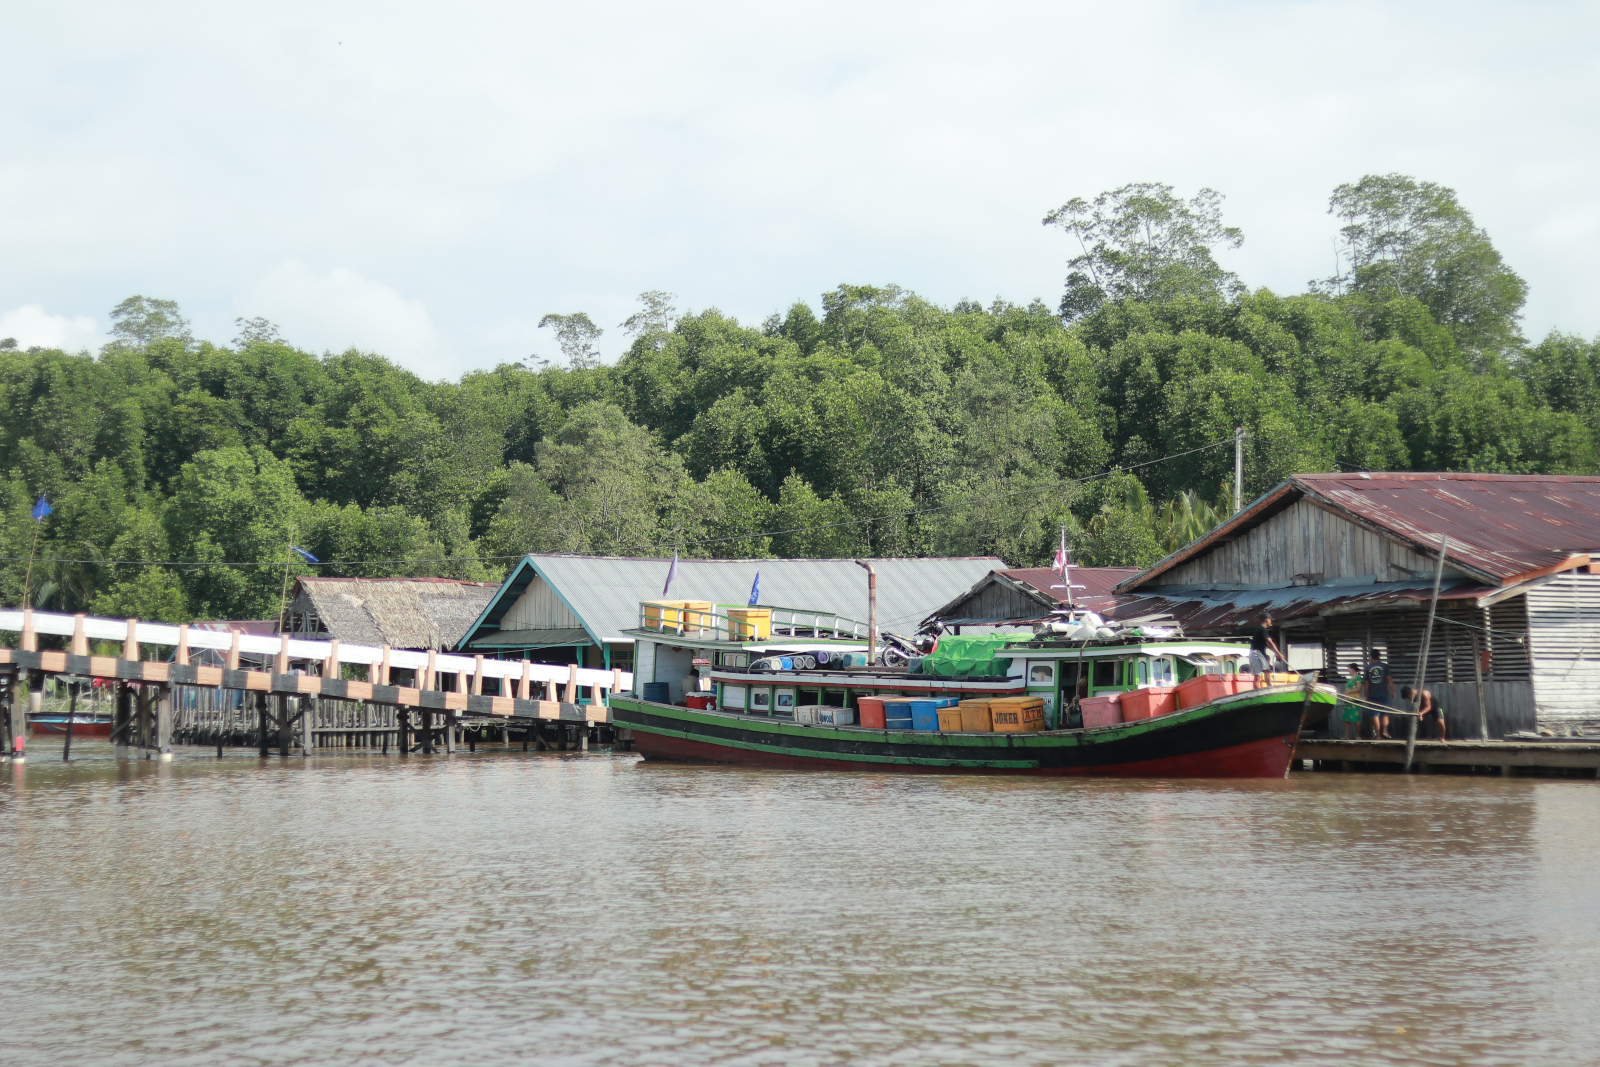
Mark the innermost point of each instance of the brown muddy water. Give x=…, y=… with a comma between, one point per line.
x=593, y=909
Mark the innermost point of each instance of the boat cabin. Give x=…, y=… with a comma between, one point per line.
x=769, y=661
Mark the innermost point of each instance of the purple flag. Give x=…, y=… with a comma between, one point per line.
x=672, y=572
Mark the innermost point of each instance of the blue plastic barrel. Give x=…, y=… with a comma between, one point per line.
x=788, y=663
x=925, y=714
x=658, y=692
x=897, y=715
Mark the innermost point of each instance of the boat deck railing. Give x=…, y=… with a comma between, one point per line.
x=738, y=623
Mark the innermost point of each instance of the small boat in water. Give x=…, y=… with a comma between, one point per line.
x=793, y=689
x=82, y=725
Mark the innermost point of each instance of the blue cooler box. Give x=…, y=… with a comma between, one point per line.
x=897, y=715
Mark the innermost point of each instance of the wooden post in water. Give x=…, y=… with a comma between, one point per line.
x=427, y=732
x=16, y=730
x=122, y=718
x=1422, y=660
x=261, y=723
x=72, y=710
x=163, y=702
x=1477, y=677
x=283, y=724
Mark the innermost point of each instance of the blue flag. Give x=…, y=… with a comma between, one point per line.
x=303, y=554
x=755, y=590
x=41, y=509
x=672, y=572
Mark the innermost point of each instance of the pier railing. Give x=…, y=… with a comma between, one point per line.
x=300, y=674
x=729, y=622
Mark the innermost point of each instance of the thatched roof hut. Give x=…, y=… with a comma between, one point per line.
x=416, y=613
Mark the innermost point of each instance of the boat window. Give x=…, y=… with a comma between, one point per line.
x=836, y=698
x=1141, y=672
x=761, y=700
x=1164, y=667
x=1042, y=674
x=735, y=659
x=810, y=696
x=783, y=698
x=733, y=697
x=1105, y=673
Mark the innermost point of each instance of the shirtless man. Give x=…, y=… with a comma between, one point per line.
x=1428, y=709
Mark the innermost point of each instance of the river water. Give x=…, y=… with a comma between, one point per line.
x=594, y=909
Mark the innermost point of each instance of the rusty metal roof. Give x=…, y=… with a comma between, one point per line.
x=1096, y=581
x=1502, y=527
x=1231, y=611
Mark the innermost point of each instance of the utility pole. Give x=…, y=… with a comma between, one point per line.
x=1238, y=469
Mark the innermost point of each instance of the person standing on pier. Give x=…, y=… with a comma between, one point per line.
x=1378, y=688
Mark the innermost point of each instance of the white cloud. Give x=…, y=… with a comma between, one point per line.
x=497, y=161
x=31, y=325
x=341, y=309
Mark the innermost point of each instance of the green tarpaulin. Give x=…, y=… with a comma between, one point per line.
x=969, y=657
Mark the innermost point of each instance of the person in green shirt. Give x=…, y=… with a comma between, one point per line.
x=1350, y=713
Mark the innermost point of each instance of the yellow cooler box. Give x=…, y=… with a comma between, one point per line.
x=1017, y=715
x=975, y=717
x=949, y=720
x=749, y=624
x=678, y=616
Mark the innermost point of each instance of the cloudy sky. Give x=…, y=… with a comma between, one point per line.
x=427, y=180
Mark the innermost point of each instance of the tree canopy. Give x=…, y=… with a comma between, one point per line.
x=872, y=422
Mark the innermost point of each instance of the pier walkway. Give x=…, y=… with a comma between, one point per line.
x=447, y=689
x=1555, y=755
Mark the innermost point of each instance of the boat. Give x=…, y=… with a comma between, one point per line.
x=787, y=688
x=82, y=725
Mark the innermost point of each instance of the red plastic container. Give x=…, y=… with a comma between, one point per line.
x=702, y=701
x=1204, y=688
x=870, y=713
x=1101, y=711
x=1148, y=702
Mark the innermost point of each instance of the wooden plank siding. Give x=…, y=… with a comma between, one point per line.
x=1303, y=539
x=1564, y=641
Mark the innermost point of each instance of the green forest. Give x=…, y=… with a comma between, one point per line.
x=874, y=422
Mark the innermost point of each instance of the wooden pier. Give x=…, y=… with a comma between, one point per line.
x=1565, y=758
x=449, y=690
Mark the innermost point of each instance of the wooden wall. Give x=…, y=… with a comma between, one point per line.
x=1564, y=637
x=998, y=601
x=539, y=608
x=1301, y=540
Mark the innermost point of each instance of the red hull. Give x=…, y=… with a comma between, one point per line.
x=1257, y=759
x=79, y=729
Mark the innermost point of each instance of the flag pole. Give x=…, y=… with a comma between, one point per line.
x=283, y=596
x=27, y=581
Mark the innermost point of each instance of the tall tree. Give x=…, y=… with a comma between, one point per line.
x=1402, y=236
x=576, y=335
x=1143, y=242
x=141, y=320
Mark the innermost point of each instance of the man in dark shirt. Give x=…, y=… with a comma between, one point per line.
x=1379, y=689
x=1261, y=643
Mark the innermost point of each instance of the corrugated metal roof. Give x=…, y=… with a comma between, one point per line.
x=1232, y=611
x=1096, y=581
x=605, y=591
x=1039, y=587
x=1502, y=527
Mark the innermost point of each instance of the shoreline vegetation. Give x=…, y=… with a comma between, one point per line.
x=877, y=423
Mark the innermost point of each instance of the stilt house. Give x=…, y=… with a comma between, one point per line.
x=1347, y=562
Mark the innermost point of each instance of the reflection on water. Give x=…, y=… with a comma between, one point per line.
x=591, y=909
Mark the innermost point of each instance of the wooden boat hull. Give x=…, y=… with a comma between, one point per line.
x=1248, y=735
x=80, y=727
